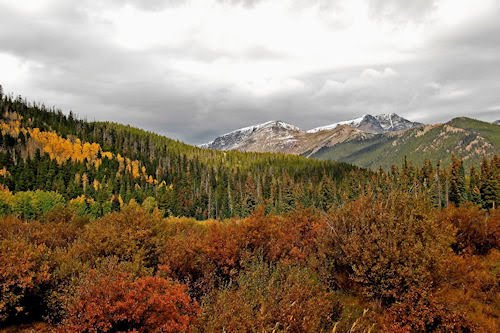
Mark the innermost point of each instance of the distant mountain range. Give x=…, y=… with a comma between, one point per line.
x=370, y=141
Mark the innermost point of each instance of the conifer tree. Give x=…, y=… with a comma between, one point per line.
x=457, y=182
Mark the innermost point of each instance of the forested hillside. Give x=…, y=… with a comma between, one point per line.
x=109, y=163
x=98, y=166
x=108, y=228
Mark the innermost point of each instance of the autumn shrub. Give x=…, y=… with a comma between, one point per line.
x=385, y=247
x=465, y=299
x=470, y=288
x=267, y=298
x=206, y=255
x=29, y=264
x=201, y=254
x=421, y=311
x=129, y=235
x=24, y=274
x=118, y=303
x=291, y=237
x=477, y=230
x=54, y=233
x=126, y=240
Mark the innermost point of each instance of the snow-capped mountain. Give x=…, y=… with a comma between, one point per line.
x=351, y=123
x=373, y=124
x=393, y=122
x=369, y=141
x=278, y=136
x=265, y=134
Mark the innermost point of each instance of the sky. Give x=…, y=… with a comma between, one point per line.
x=195, y=69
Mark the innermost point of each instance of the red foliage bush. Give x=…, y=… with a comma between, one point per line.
x=421, y=311
x=206, y=254
x=118, y=303
x=24, y=270
x=478, y=231
x=385, y=247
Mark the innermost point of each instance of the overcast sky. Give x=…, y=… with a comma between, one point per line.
x=194, y=69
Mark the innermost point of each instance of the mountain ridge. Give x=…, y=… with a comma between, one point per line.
x=466, y=138
x=278, y=135
x=369, y=141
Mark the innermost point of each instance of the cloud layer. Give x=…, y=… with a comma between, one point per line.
x=193, y=69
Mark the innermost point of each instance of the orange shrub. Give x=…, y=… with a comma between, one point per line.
x=271, y=298
x=24, y=272
x=385, y=247
x=478, y=231
x=119, y=304
x=421, y=311
x=210, y=253
x=129, y=235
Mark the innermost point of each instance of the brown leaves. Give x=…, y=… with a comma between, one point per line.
x=23, y=270
x=119, y=303
x=386, y=246
x=477, y=231
x=268, y=298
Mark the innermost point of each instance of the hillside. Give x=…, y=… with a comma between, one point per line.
x=468, y=139
x=109, y=164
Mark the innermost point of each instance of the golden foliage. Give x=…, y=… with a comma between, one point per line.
x=73, y=149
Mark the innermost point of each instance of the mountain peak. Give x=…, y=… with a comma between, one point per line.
x=234, y=139
x=394, y=122
x=385, y=122
x=267, y=124
x=277, y=135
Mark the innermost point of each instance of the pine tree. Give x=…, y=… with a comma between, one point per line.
x=457, y=182
x=474, y=193
x=489, y=183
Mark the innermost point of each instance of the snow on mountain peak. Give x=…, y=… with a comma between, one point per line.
x=232, y=139
x=267, y=124
x=274, y=133
x=379, y=123
x=352, y=123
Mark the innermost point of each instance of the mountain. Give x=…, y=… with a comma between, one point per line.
x=261, y=137
x=393, y=122
x=497, y=122
x=370, y=141
x=374, y=124
x=280, y=137
x=466, y=138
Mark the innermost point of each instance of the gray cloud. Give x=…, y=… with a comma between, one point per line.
x=73, y=62
x=402, y=11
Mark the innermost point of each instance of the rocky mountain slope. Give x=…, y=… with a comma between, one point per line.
x=278, y=136
x=467, y=138
x=370, y=141
x=268, y=136
x=374, y=124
